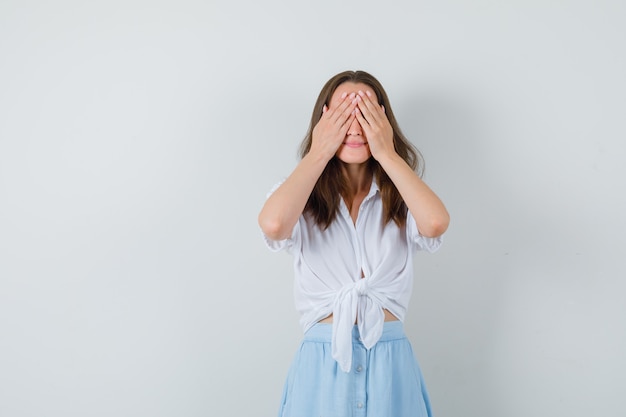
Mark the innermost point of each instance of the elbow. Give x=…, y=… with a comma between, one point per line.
x=437, y=226
x=273, y=229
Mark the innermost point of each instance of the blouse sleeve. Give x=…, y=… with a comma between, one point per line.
x=419, y=242
x=284, y=244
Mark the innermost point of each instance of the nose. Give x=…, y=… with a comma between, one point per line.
x=355, y=129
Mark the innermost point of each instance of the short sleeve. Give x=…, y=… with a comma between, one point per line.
x=284, y=244
x=419, y=242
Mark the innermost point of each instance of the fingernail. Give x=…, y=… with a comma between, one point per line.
x=344, y=95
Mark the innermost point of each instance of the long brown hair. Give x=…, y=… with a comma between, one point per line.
x=323, y=203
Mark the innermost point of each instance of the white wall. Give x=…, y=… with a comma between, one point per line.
x=138, y=140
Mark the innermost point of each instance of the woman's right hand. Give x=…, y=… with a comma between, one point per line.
x=330, y=132
x=283, y=208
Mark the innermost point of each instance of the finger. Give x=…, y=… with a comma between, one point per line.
x=365, y=125
x=345, y=109
x=345, y=101
x=371, y=111
x=365, y=106
x=376, y=109
x=365, y=112
x=332, y=111
x=362, y=120
x=344, y=127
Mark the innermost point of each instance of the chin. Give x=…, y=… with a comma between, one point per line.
x=354, y=159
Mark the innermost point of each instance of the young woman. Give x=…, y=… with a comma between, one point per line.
x=352, y=213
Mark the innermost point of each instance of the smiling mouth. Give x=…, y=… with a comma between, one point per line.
x=354, y=144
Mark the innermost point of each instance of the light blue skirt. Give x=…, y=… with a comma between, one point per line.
x=385, y=381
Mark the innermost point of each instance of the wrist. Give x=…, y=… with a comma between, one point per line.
x=388, y=158
x=317, y=158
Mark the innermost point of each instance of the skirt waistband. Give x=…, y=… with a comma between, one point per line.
x=322, y=332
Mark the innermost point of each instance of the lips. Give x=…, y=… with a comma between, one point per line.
x=354, y=144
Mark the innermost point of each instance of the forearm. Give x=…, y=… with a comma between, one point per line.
x=428, y=210
x=283, y=208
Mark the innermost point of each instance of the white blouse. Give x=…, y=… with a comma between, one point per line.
x=328, y=265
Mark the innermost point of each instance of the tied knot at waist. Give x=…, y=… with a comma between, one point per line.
x=358, y=302
x=361, y=287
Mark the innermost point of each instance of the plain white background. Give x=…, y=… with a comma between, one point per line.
x=138, y=140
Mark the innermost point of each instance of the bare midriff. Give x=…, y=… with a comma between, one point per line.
x=388, y=317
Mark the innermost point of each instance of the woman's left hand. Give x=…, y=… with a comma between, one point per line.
x=375, y=125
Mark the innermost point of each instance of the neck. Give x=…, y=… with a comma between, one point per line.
x=359, y=177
